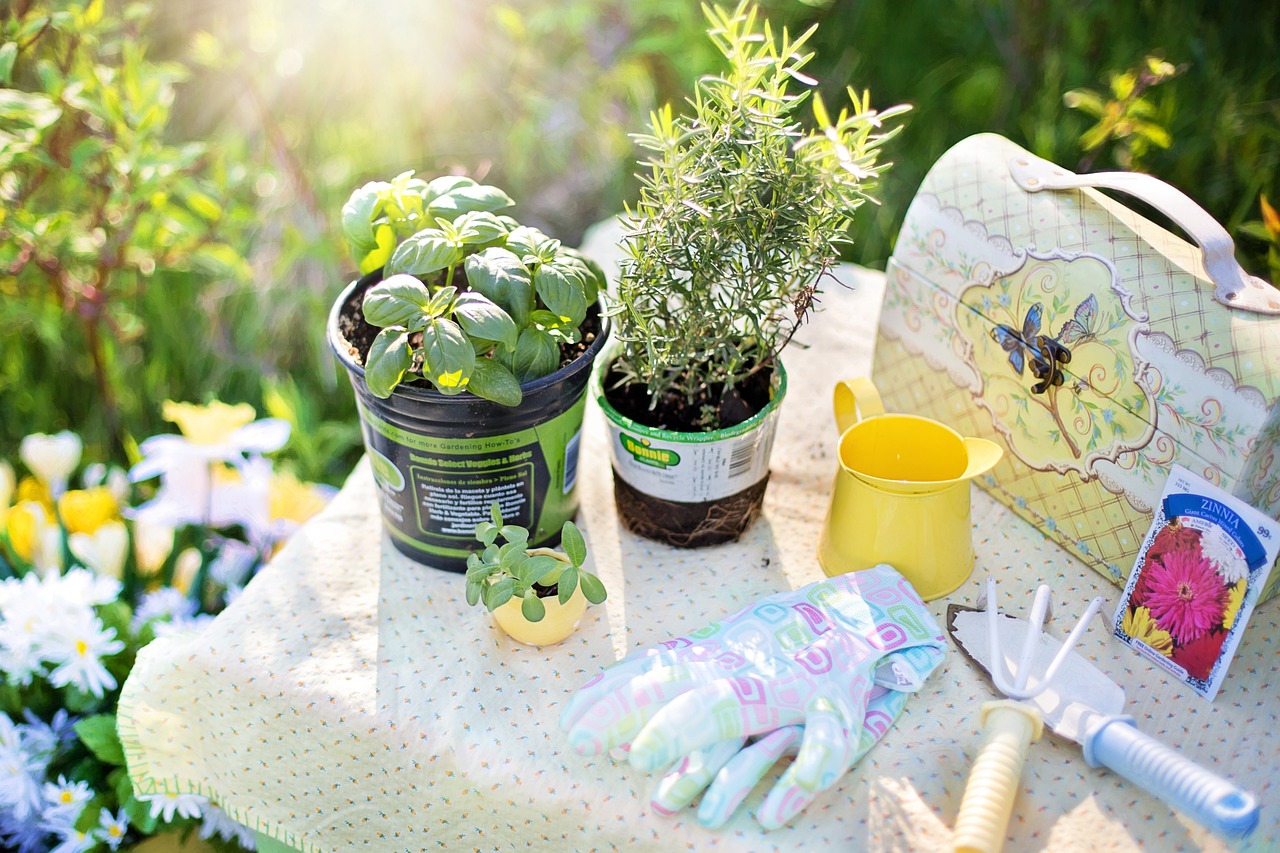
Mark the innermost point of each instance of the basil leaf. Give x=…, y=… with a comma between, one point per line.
x=397, y=301
x=444, y=185
x=531, y=245
x=499, y=275
x=492, y=381
x=358, y=215
x=389, y=358
x=481, y=318
x=377, y=257
x=478, y=197
x=536, y=355
x=478, y=228
x=426, y=252
x=447, y=356
x=561, y=292
x=442, y=301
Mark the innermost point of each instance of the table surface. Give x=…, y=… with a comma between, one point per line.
x=351, y=700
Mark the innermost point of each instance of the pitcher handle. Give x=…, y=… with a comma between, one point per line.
x=855, y=399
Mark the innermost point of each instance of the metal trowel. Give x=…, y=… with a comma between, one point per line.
x=1078, y=702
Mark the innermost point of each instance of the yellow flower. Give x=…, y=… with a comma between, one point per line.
x=1235, y=598
x=211, y=424
x=27, y=522
x=1139, y=624
x=85, y=510
x=292, y=500
x=31, y=489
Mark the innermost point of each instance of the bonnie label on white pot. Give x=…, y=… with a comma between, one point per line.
x=692, y=467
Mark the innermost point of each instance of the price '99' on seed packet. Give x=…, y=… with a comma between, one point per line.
x=1201, y=569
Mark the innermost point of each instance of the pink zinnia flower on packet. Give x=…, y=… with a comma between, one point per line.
x=1185, y=595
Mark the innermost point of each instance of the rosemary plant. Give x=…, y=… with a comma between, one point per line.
x=739, y=218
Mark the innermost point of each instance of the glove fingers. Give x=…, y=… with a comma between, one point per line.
x=691, y=775
x=623, y=711
x=718, y=710
x=742, y=773
x=785, y=801
x=825, y=752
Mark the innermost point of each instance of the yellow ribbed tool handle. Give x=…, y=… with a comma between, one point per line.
x=1008, y=729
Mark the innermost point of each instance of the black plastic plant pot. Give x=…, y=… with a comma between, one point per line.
x=690, y=489
x=440, y=461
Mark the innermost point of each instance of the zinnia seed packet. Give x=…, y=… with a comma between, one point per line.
x=1197, y=577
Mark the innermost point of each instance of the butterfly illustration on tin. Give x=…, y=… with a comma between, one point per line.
x=1045, y=353
x=1081, y=327
x=1020, y=344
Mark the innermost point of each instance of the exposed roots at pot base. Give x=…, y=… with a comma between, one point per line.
x=688, y=525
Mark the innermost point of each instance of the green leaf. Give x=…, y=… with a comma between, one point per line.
x=442, y=301
x=561, y=291
x=531, y=245
x=98, y=734
x=536, y=355
x=389, y=358
x=492, y=381
x=542, y=565
x=377, y=257
x=426, y=252
x=479, y=227
x=486, y=533
x=465, y=199
x=447, y=356
x=515, y=535
x=532, y=607
x=499, y=593
x=495, y=512
x=8, y=53
x=400, y=300
x=567, y=585
x=573, y=543
x=140, y=815
x=473, y=591
x=499, y=275
x=358, y=215
x=444, y=185
x=480, y=317
x=592, y=588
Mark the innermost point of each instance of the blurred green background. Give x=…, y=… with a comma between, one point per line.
x=172, y=173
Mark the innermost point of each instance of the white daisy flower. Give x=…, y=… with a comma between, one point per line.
x=217, y=822
x=20, y=773
x=74, y=841
x=164, y=603
x=111, y=830
x=65, y=799
x=77, y=647
x=83, y=588
x=166, y=804
x=1225, y=556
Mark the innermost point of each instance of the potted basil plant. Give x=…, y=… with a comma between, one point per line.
x=740, y=217
x=469, y=341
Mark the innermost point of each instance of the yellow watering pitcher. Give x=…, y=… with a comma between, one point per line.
x=901, y=495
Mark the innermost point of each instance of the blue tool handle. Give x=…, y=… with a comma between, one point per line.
x=1117, y=744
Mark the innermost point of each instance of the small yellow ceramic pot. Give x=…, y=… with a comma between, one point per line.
x=555, y=626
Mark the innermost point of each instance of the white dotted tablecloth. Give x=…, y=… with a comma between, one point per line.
x=350, y=700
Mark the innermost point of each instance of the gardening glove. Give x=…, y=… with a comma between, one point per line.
x=810, y=657
x=728, y=771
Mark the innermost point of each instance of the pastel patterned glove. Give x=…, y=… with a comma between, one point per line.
x=810, y=657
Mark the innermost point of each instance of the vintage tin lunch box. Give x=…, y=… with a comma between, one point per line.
x=1097, y=347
